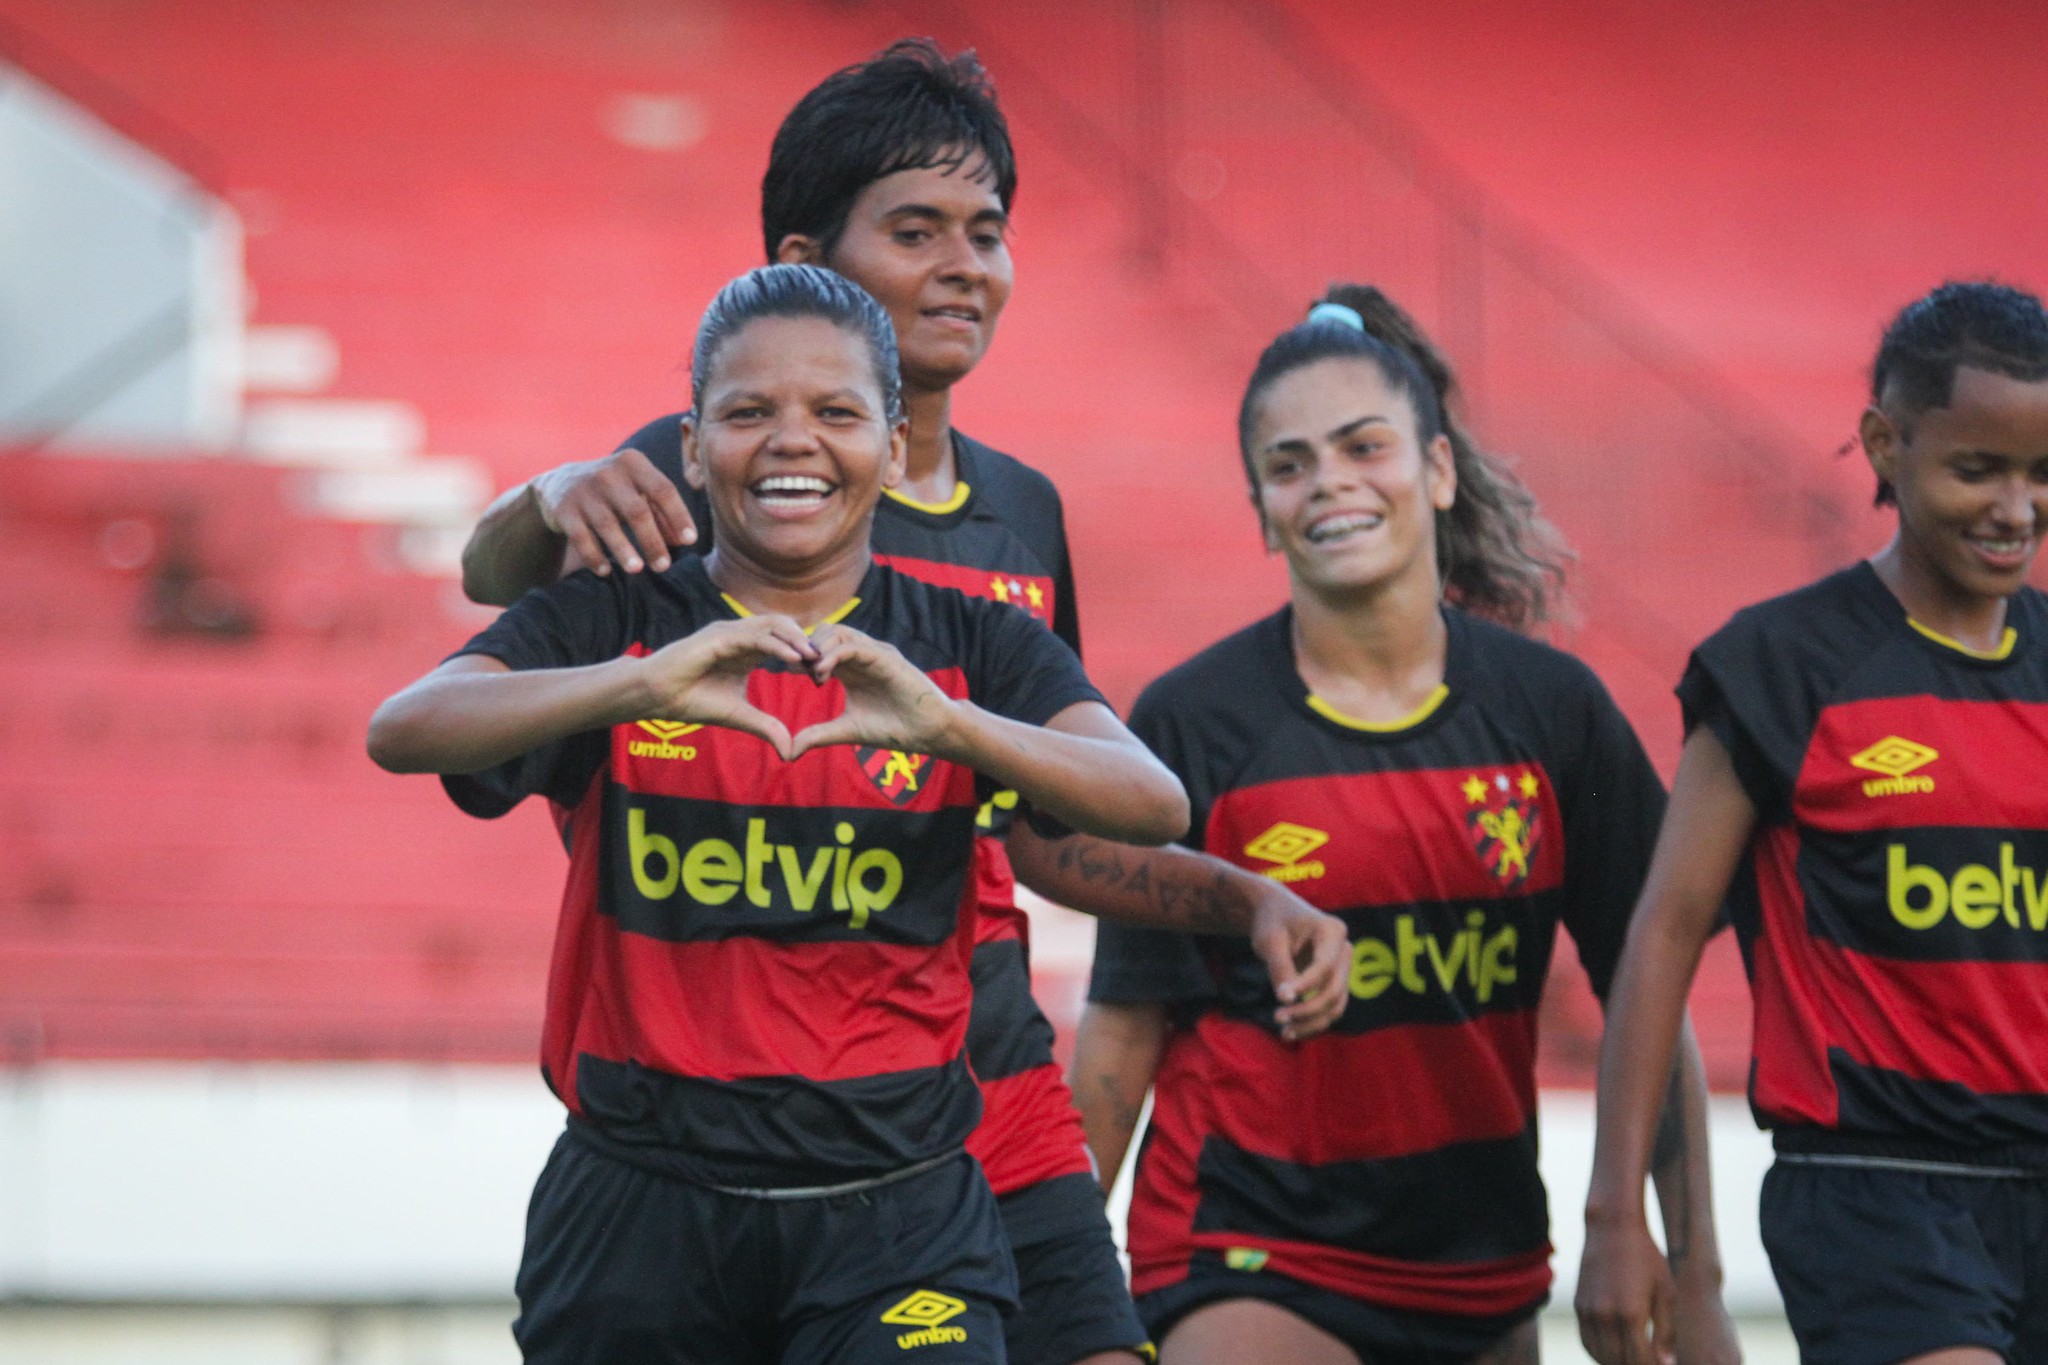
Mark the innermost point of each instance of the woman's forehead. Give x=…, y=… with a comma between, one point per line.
x=790, y=348
x=1327, y=395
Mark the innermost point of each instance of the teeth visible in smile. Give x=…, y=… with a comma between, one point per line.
x=2003, y=547
x=960, y=313
x=1332, y=527
x=792, y=485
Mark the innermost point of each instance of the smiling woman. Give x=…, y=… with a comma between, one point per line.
x=1373, y=1191
x=761, y=982
x=1859, y=754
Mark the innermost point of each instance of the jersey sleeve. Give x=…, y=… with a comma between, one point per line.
x=1019, y=670
x=581, y=620
x=1133, y=965
x=1613, y=802
x=661, y=441
x=1752, y=698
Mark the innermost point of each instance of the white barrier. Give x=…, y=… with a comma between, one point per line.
x=384, y=1182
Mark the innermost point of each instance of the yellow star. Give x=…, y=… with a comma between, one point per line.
x=1530, y=786
x=1037, y=596
x=1000, y=589
x=1474, y=789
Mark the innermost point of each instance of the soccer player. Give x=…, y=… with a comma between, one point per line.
x=760, y=991
x=1865, y=782
x=899, y=174
x=1452, y=789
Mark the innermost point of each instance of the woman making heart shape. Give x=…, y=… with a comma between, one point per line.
x=773, y=757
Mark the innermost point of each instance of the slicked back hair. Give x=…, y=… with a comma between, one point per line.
x=798, y=291
x=910, y=108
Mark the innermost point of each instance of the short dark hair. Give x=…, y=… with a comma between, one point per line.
x=910, y=108
x=798, y=291
x=1979, y=324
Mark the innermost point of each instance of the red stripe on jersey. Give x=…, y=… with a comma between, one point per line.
x=1029, y=1131
x=1031, y=593
x=1792, y=1077
x=709, y=762
x=1356, y=1097
x=995, y=892
x=1416, y=835
x=1468, y=1288
x=743, y=1006
x=1900, y=762
x=1931, y=1021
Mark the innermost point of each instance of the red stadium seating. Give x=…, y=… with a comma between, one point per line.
x=195, y=857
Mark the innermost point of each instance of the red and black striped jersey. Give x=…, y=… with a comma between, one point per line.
x=1394, y=1158
x=1002, y=536
x=761, y=973
x=1893, y=901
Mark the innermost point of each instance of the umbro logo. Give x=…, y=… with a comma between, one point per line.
x=1900, y=761
x=1285, y=845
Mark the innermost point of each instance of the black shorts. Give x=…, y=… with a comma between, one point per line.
x=1379, y=1335
x=1069, y=1278
x=626, y=1267
x=1879, y=1263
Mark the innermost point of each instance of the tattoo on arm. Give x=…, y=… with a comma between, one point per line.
x=1203, y=901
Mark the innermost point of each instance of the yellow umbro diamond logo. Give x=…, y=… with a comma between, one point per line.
x=1286, y=844
x=929, y=1312
x=663, y=745
x=1896, y=758
x=1245, y=1258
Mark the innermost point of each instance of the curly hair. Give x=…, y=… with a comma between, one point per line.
x=1983, y=325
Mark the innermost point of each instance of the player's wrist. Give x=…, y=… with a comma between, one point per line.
x=537, y=498
x=1610, y=1212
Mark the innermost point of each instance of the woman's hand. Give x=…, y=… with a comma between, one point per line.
x=1308, y=958
x=890, y=703
x=703, y=677
x=1627, y=1296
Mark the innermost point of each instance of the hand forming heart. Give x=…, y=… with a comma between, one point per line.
x=889, y=703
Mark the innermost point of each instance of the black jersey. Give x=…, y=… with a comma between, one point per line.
x=1002, y=536
x=1392, y=1159
x=761, y=973
x=1893, y=902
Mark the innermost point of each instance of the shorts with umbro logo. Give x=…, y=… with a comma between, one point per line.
x=624, y=1266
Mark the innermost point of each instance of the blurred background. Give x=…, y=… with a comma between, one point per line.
x=288, y=291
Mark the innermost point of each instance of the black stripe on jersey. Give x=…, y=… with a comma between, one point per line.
x=690, y=870
x=1874, y=1099
x=775, y=1130
x=1945, y=894
x=1006, y=1033
x=1470, y=1201
x=1420, y=963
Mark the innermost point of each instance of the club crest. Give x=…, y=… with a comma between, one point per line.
x=1506, y=823
x=896, y=775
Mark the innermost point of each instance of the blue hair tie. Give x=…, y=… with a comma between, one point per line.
x=1337, y=312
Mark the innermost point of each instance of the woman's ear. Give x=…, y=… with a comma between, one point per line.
x=1442, y=463
x=693, y=467
x=1882, y=440
x=899, y=453
x=798, y=249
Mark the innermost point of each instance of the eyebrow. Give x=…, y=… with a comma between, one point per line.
x=991, y=215
x=720, y=399
x=1336, y=434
